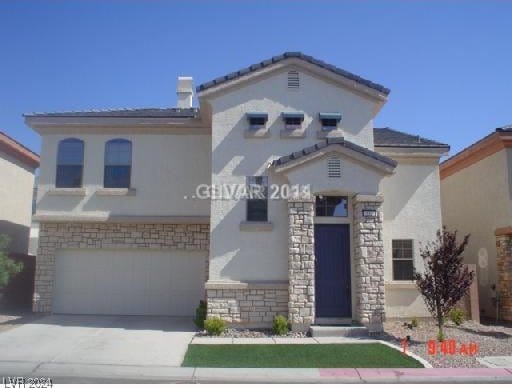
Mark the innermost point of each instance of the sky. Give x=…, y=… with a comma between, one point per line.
x=447, y=63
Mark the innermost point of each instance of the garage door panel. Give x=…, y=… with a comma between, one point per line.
x=128, y=282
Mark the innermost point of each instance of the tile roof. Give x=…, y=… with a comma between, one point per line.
x=125, y=112
x=334, y=141
x=387, y=137
x=18, y=151
x=286, y=55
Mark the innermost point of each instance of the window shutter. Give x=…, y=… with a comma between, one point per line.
x=333, y=167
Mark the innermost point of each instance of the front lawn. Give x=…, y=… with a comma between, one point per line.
x=298, y=356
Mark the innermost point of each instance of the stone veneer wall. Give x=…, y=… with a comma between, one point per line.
x=53, y=236
x=247, y=305
x=504, y=267
x=301, y=263
x=369, y=261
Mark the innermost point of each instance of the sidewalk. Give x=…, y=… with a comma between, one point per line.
x=87, y=373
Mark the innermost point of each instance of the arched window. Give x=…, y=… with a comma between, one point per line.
x=70, y=163
x=118, y=163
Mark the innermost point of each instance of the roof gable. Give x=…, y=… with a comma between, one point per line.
x=335, y=144
x=289, y=55
x=388, y=137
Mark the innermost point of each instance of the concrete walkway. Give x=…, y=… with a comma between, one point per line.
x=496, y=361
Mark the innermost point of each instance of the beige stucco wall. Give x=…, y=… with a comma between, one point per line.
x=166, y=168
x=16, y=185
x=478, y=200
x=412, y=210
x=263, y=255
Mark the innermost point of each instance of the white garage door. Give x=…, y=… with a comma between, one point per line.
x=128, y=282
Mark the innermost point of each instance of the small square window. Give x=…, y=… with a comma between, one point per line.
x=257, y=120
x=331, y=206
x=329, y=120
x=403, y=260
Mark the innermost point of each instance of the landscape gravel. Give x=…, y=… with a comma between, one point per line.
x=492, y=340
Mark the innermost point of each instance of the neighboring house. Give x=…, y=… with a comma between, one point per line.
x=476, y=188
x=17, y=166
x=123, y=230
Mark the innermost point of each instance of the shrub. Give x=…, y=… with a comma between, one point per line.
x=8, y=267
x=457, y=316
x=214, y=326
x=414, y=322
x=200, y=315
x=280, y=325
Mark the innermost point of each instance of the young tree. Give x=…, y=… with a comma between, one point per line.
x=8, y=267
x=445, y=280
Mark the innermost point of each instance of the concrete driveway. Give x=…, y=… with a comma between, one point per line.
x=84, y=342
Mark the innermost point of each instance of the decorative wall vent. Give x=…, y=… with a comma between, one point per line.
x=293, y=79
x=333, y=167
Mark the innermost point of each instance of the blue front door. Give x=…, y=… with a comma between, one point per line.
x=332, y=271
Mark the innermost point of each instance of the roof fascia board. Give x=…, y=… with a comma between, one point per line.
x=380, y=166
x=45, y=125
x=413, y=152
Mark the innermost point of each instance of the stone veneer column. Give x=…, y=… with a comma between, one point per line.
x=369, y=261
x=504, y=269
x=301, y=263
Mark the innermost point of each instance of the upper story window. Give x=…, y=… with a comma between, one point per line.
x=257, y=120
x=70, y=163
x=118, y=163
x=331, y=206
x=329, y=120
x=293, y=120
x=403, y=260
x=257, y=202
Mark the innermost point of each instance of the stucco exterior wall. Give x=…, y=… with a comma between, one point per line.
x=16, y=185
x=478, y=200
x=412, y=210
x=166, y=168
x=254, y=256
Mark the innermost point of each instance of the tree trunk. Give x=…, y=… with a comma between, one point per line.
x=440, y=318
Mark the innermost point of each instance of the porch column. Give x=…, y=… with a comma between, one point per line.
x=301, y=263
x=504, y=269
x=369, y=261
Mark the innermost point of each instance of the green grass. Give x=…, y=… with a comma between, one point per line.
x=298, y=356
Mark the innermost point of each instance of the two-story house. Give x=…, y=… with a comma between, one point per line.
x=476, y=192
x=332, y=235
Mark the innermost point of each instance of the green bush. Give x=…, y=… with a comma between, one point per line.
x=414, y=322
x=200, y=315
x=280, y=325
x=8, y=267
x=214, y=326
x=457, y=316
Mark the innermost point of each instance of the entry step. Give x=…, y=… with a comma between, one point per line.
x=339, y=331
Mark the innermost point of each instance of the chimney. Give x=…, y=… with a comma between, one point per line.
x=184, y=92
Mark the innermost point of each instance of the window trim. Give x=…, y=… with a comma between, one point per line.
x=411, y=259
x=248, y=200
x=117, y=141
x=57, y=164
